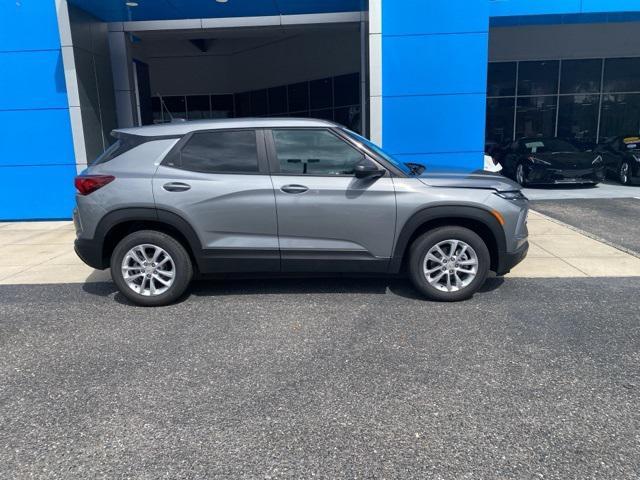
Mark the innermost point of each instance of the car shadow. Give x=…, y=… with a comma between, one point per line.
x=333, y=285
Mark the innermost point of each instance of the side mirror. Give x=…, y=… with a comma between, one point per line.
x=368, y=170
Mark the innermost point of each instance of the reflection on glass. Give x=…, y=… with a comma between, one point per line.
x=581, y=76
x=346, y=90
x=277, y=100
x=321, y=93
x=156, y=108
x=500, y=119
x=350, y=117
x=176, y=105
x=622, y=75
x=198, y=107
x=538, y=78
x=298, y=97
x=501, y=79
x=620, y=115
x=536, y=116
x=222, y=106
x=578, y=117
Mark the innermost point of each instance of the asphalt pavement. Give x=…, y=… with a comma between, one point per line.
x=324, y=378
x=616, y=221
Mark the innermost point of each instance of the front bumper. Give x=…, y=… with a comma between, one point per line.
x=509, y=260
x=540, y=175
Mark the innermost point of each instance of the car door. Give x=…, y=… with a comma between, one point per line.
x=219, y=182
x=329, y=220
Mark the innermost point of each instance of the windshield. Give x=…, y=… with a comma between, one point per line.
x=378, y=151
x=548, y=145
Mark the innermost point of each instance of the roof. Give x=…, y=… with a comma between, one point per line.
x=184, y=127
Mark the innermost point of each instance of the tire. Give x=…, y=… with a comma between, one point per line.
x=419, y=265
x=521, y=174
x=177, y=272
x=624, y=173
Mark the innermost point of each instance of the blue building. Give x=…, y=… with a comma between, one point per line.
x=431, y=80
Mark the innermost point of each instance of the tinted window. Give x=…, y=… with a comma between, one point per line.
x=321, y=93
x=500, y=119
x=622, y=75
x=501, y=79
x=298, y=95
x=536, y=116
x=221, y=152
x=538, y=78
x=122, y=145
x=581, y=76
x=547, y=145
x=346, y=90
x=315, y=152
x=578, y=117
x=620, y=115
x=198, y=107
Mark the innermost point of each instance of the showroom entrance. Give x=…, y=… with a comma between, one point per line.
x=310, y=71
x=149, y=72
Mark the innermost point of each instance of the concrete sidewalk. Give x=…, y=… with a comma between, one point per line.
x=42, y=253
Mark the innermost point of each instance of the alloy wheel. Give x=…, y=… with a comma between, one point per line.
x=624, y=172
x=520, y=174
x=148, y=270
x=450, y=265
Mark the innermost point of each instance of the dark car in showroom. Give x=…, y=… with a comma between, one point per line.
x=552, y=161
x=621, y=157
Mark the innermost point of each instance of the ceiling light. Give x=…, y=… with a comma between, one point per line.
x=222, y=1
x=131, y=4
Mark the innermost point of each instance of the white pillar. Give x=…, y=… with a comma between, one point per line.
x=375, y=70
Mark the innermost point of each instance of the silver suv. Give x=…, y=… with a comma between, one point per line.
x=167, y=202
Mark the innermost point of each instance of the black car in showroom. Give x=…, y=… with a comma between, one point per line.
x=621, y=157
x=552, y=161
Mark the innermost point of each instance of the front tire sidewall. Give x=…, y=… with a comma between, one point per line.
x=181, y=260
x=522, y=181
x=621, y=179
x=423, y=244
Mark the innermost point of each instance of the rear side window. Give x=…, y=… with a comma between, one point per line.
x=220, y=152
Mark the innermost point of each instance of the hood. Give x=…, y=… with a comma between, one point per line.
x=465, y=179
x=567, y=159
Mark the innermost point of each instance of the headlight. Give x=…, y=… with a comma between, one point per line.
x=512, y=195
x=597, y=161
x=538, y=161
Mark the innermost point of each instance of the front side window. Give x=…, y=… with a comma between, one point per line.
x=220, y=152
x=314, y=152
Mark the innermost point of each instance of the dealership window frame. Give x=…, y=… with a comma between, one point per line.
x=558, y=94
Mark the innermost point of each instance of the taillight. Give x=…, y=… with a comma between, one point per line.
x=86, y=184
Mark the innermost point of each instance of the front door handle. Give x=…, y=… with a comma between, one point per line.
x=176, y=187
x=294, y=189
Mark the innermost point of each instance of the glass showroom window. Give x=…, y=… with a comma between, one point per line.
x=620, y=115
x=585, y=100
x=536, y=116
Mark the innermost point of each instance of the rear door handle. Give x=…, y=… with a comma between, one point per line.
x=176, y=187
x=294, y=189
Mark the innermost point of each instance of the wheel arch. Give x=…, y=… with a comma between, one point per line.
x=118, y=224
x=476, y=219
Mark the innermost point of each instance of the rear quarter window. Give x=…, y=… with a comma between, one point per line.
x=123, y=144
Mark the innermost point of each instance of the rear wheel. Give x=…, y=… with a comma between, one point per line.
x=151, y=268
x=624, y=173
x=449, y=264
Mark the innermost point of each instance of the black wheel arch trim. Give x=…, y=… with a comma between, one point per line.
x=447, y=212
x=141, y=214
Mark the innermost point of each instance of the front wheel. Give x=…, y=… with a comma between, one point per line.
x=151, y=268
x=521, y=174
x=449, y=264
x=624, y=173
